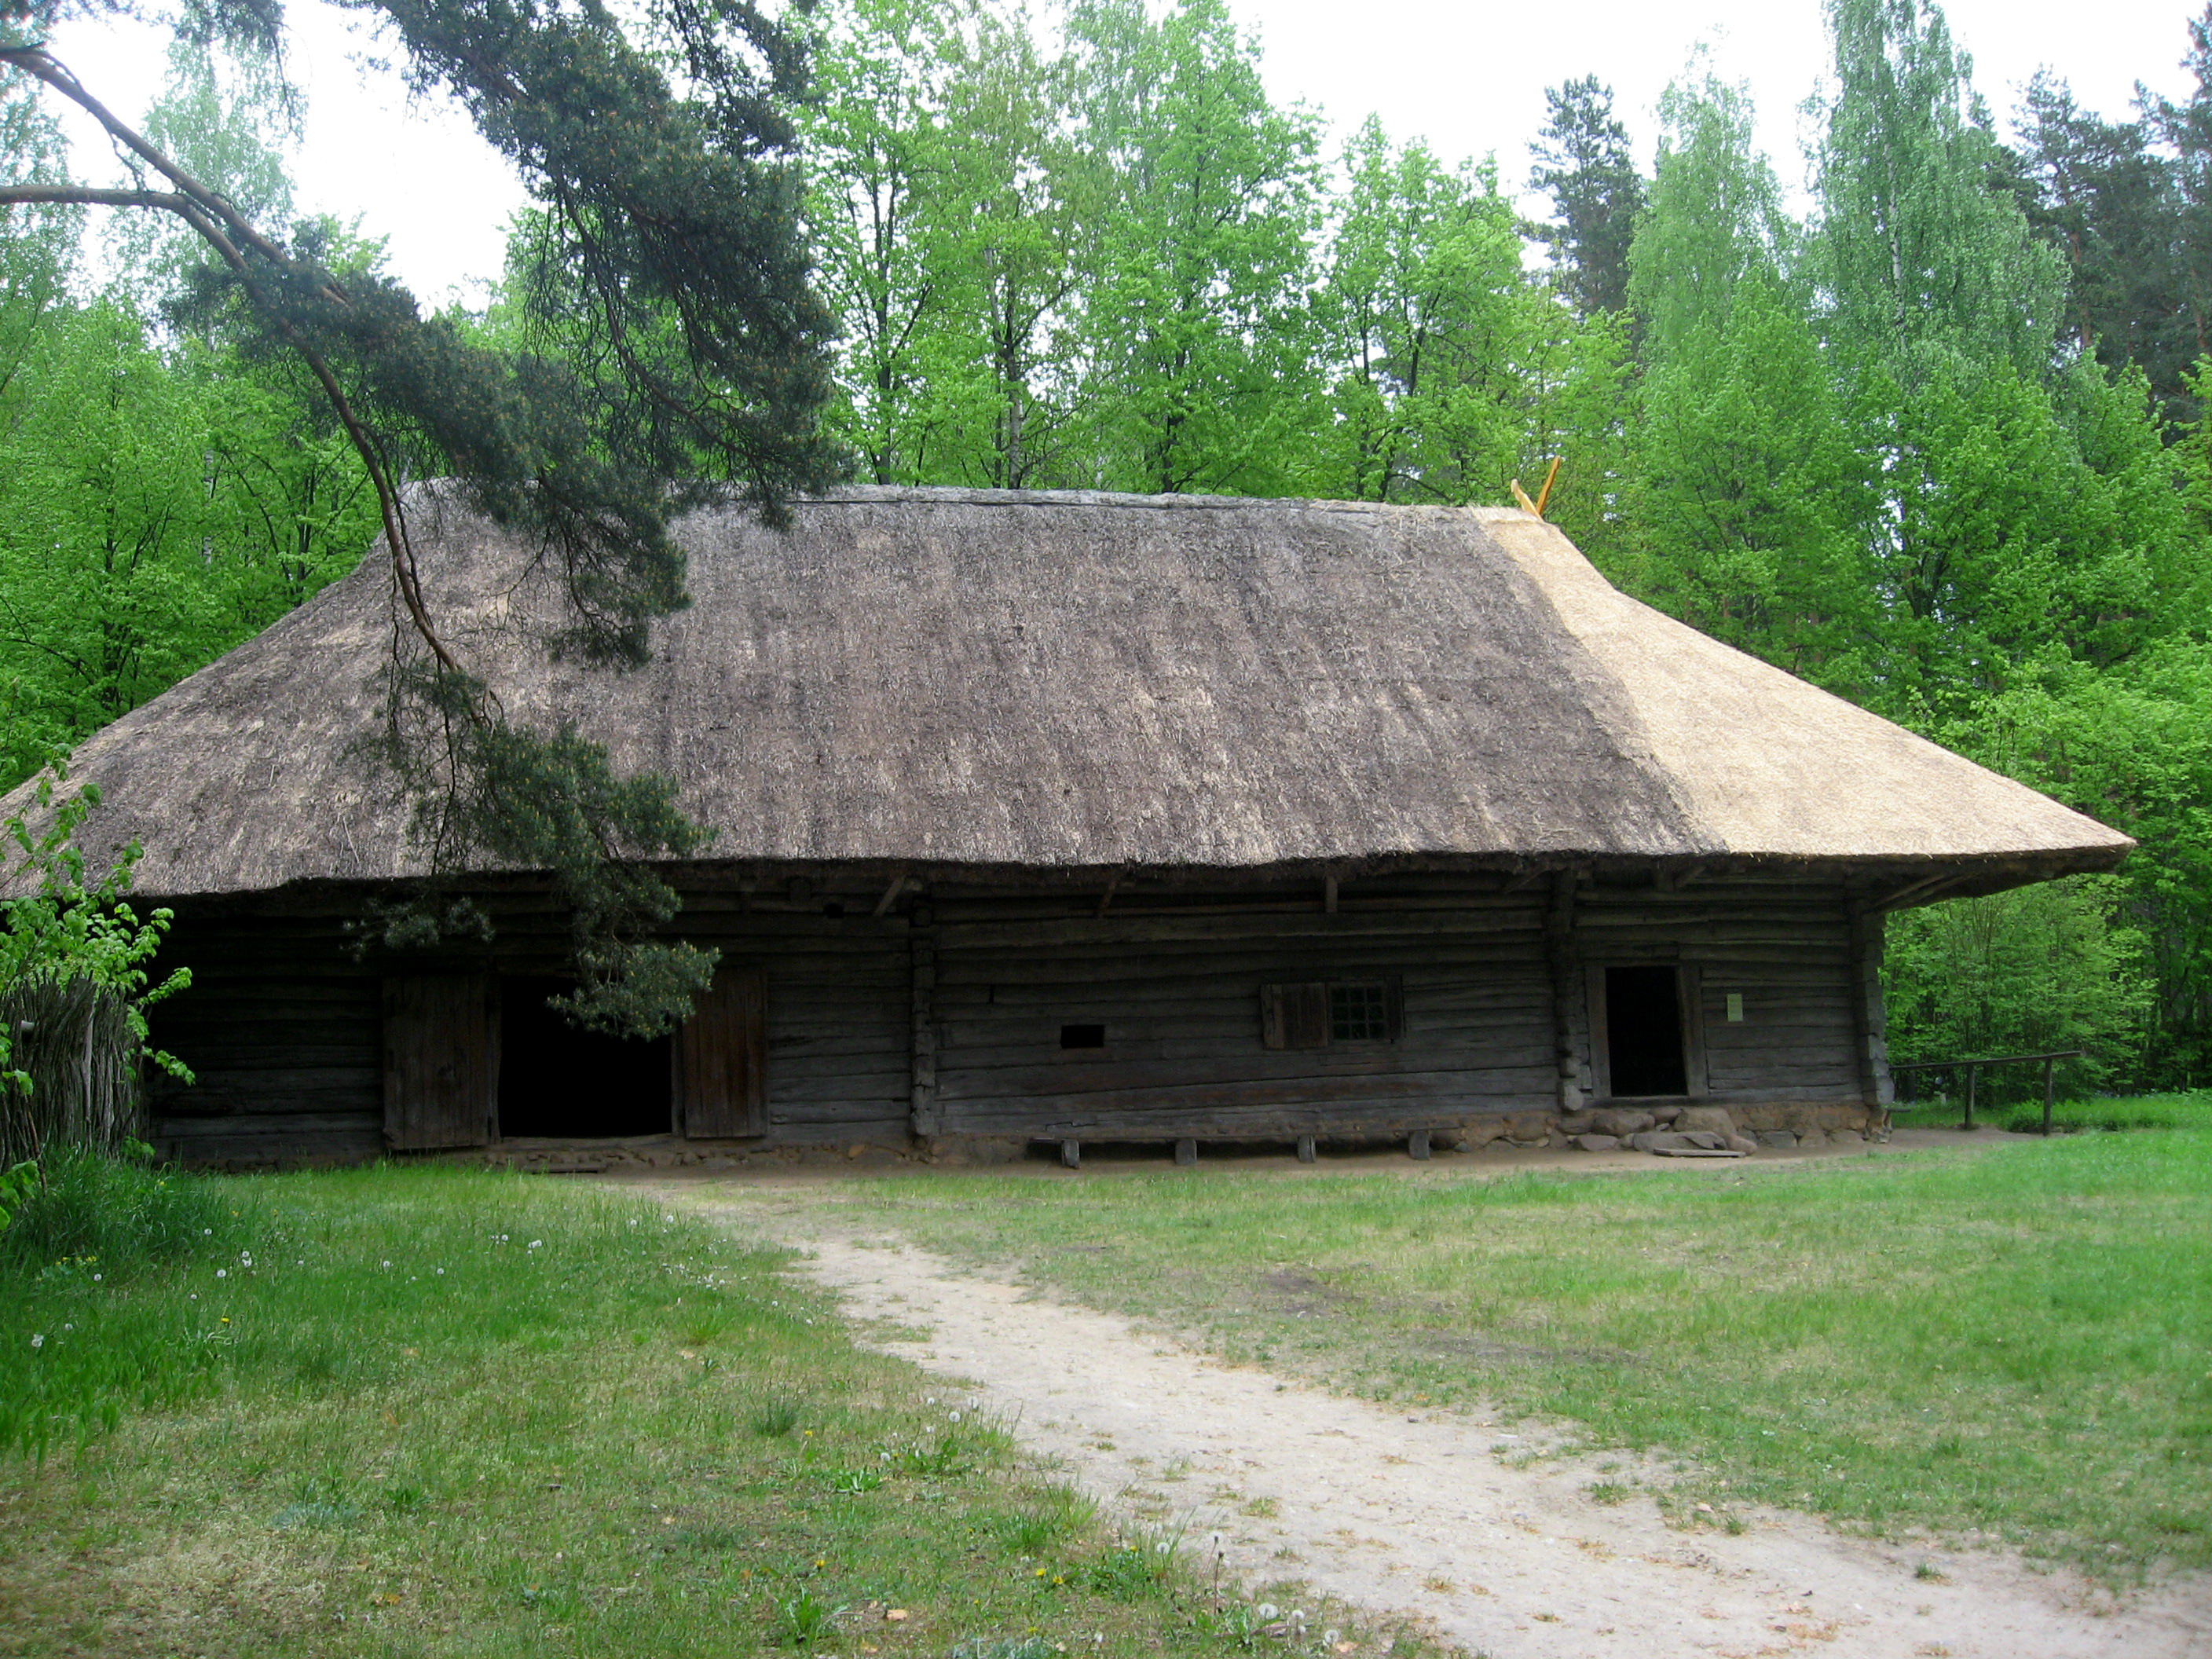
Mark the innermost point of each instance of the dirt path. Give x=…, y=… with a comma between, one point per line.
x=1427, y=1515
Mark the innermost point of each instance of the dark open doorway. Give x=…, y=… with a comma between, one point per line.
x=557, y=1080
x=1643, y=1032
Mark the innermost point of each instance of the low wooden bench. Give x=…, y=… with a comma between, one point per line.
x=1304, y=1137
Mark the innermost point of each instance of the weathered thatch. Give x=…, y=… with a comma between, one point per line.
x=1017, y=680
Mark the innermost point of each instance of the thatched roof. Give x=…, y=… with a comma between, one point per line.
x=1017, y=680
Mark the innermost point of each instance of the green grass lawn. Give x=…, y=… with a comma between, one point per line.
x=428, y=1412
x=2190, y=1111
x=2015, y=1339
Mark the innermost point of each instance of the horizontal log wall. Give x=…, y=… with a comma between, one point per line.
x=840, y=1019
x=284, y=1026
x=283, y=1029
x=1784, y=948
x=1179, y=997
x=284, y=1034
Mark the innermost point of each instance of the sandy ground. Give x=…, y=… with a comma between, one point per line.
x=1437, y=1516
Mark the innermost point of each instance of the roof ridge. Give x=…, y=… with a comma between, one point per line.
x=969, y=496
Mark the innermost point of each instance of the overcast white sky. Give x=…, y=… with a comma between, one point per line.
x=1468, y=75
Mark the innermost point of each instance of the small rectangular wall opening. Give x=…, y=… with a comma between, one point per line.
x=559, y=1081
x=1643, y=1032
x=1083, y=1036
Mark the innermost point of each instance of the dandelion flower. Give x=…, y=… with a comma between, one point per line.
x=537, y=1244
x=224, y=1272
x=1267, y=1611
x=442, y=1273
x=953, y=1418
x=207, y=1232
x=95, y=1279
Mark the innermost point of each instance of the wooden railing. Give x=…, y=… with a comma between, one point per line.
x=1973, y=1068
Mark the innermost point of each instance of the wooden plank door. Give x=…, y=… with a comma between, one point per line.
x=721, y=1058
x=441, y=1061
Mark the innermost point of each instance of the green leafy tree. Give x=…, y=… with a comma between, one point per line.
x=951, y=206
x=1995, y=517
x=1743, y=480
x=2049, y=967
x=1014, y=230
x=1920, y=257
x=154, y=510
x=2132, y=746
x=1455, y=370
x=879, y=150
x=1196, y=330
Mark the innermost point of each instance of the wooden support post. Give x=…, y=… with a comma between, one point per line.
x=1306, y=1153
x=923, y=1117
x=1071, y=1153
x=1186, y=1152
x=1972, y=1072
x=1417, y=1144
x=1107, y=897
x=2049, y=1061
x=1328, y=895
x=1869, y=1019
x=1566, y=989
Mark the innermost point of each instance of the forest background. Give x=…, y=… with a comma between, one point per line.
x=1939, y=444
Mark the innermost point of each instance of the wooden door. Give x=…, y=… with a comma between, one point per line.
x=1294, y=1016
x=441, y=1061
x=721, y=1058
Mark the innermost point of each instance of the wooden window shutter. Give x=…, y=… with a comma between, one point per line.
x=1294, y=1016
x=440, y=1061
x=721, y=1058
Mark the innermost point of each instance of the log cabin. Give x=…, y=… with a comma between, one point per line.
x=1057, y=818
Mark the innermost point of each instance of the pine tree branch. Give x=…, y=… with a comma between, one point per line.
x=230, y=234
